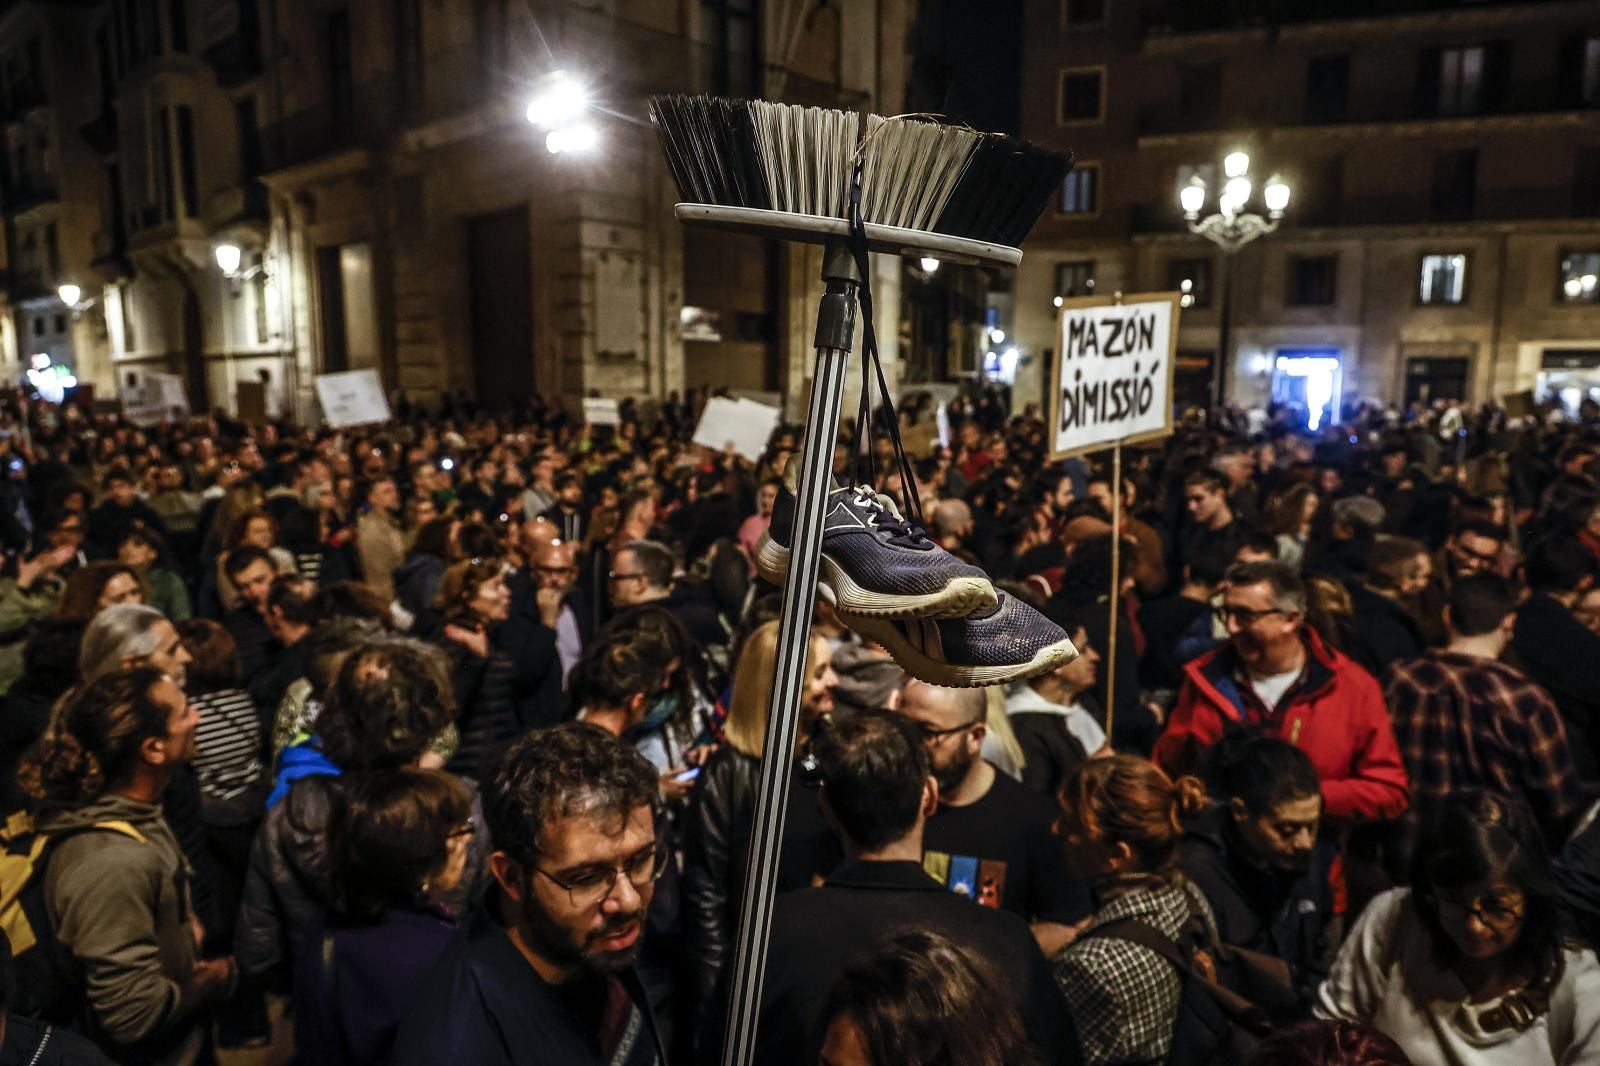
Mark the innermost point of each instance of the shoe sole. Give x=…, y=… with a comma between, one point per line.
x=952, y=675
x=961, y=597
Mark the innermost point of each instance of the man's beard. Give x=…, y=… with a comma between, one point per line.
x=558, y=944
x=950, y=776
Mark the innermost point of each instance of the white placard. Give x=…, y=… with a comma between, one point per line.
x=745, y=424
x=601, y=412
x=352, y=398
x=150, y=397
x=1113, y=378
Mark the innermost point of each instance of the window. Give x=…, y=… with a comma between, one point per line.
x=729, y=28
x=1586, y=181
x=1322, y=198
x=1327, y=88
x=1075, y=278
x=186, y=162
x=179, y=11
x=1460, y=81
x=38, y=326
x=52, y=250
x=1200, y=94
x=244, y=115
x=1082, y=95
x=408, y=54
x=151, y=10
x=1313, y=281
x=341, y=83
x=1192, y=278
x=1444, y=279
x=1589, y=72
x=1078, y=12
x=168, y=194
x=1580, y=277
x=1080, y=190
x=1455, y=185
x=61, y=323
x=1187, y=172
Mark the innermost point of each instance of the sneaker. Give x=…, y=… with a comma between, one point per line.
x=874, y=563
x=1012, y=642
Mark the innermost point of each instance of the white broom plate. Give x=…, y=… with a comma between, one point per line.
x=815, y=229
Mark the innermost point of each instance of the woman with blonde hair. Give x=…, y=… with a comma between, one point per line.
x=722, y=810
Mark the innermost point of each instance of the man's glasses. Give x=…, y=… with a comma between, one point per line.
x=592, y=886
x=930, y=735
x=614, y=576
x=1244, y=615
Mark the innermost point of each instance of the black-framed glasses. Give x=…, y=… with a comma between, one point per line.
x=614, y=576
x=1245, y=616
x=591, y=886
x=1491, y=911
x=930, y=735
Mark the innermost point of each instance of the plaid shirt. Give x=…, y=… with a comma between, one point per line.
x=1468, y=722
x=1124, y=998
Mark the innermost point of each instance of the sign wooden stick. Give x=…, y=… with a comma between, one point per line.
x=1116, y=586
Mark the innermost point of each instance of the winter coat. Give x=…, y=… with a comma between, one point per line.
x=33, y=1043
x=1334, y=713
x=416, y=586
x=286, y=889
x=120, y=904
x=1055, y=739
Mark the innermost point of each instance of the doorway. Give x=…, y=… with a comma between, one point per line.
x=500, y=303
x=347, y=296
x=1435, y=379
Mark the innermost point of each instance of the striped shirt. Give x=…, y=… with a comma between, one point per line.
x=228, y=739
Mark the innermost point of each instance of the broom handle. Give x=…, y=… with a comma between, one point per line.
x=835, y=329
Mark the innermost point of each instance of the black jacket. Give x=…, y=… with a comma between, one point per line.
x=33, y=1043
x=1559, y=652
x=716, y=848
x=1382, y=631
x=1288, y=915
x=818, y=932
x=1051, y=754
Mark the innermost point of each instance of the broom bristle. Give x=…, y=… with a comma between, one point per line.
x=916, y=174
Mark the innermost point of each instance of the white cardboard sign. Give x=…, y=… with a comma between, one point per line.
x=600, y=412
x=150, y=397
x=745, y=424
x=1113, y=379
x=352, y=398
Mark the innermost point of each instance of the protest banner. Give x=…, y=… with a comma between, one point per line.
x=1113, y=386
x=352, y=398
x=598, y=411
x=150, y=397
x=745, y=424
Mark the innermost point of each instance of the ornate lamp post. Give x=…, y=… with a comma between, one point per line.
x=1231, y=227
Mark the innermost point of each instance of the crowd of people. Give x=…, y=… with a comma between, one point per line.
x=440, y=740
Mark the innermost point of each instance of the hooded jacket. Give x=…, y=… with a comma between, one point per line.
x=120, y=904
x=1055, y=739
x=1334, y=713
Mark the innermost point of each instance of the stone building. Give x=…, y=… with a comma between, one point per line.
x=366, y=168
x=1444, y=235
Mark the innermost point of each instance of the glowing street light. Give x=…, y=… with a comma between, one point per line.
x=1276, y=194
x=70, y=294
x=579, y=138
x=559, y=108
x=228, y=258
x=929, y=265
x=997, y=336
x=1236, y=164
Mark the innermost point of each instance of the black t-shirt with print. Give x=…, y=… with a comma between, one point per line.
x=1002, y=851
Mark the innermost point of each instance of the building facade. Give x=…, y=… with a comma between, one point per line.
x=382, y=201
x=1443, y=240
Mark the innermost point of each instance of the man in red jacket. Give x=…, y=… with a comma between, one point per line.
x=1278, y=675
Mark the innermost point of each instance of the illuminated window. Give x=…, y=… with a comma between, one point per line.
x=1444, y=279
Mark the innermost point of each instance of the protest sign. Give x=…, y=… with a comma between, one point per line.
x=1113, y=375
x=745, y=424
x=600, y=412
x=352, y=398
x=150, y=397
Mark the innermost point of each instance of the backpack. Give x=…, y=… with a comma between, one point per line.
x=49, y=983
x=1215, y=1025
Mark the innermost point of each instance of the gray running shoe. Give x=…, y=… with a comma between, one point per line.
x=1012, y=642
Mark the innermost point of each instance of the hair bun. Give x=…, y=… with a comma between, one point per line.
x=1189, y=797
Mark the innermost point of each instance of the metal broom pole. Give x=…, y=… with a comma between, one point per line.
x=836, y=318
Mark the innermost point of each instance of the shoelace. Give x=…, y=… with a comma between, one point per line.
x=900, y=530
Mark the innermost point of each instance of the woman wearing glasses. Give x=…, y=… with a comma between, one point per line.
x=398, y=848
x=1469, y=967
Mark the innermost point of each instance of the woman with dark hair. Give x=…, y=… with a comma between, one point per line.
x=1290, y=516
x=920, y=1000
x=686, y=715
x=228, y=741
x=1469, y=964
x=96, y=586
x=398, y=847
x=474, y=602
x=1122, y=819
x=416, y=582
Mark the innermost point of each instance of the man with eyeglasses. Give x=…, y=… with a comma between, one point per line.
x=878, y=793
x=555, y=578
x=991, y=839
x=1275, y=674
x=543, y=973
x=1473, y=547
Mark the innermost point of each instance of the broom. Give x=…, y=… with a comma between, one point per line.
x=853, y=183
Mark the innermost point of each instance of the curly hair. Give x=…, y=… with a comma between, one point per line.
x=921, y=1000
x=388, y=834
x=94, y=737
x=391, y=697
x=563, y=771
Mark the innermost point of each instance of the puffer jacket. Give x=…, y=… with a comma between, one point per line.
x=716, y=850
x=287, y=889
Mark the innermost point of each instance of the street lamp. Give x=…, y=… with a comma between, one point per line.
x=559, y=108
x=1230, y=227
x=228, y=258
x=70, y=295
